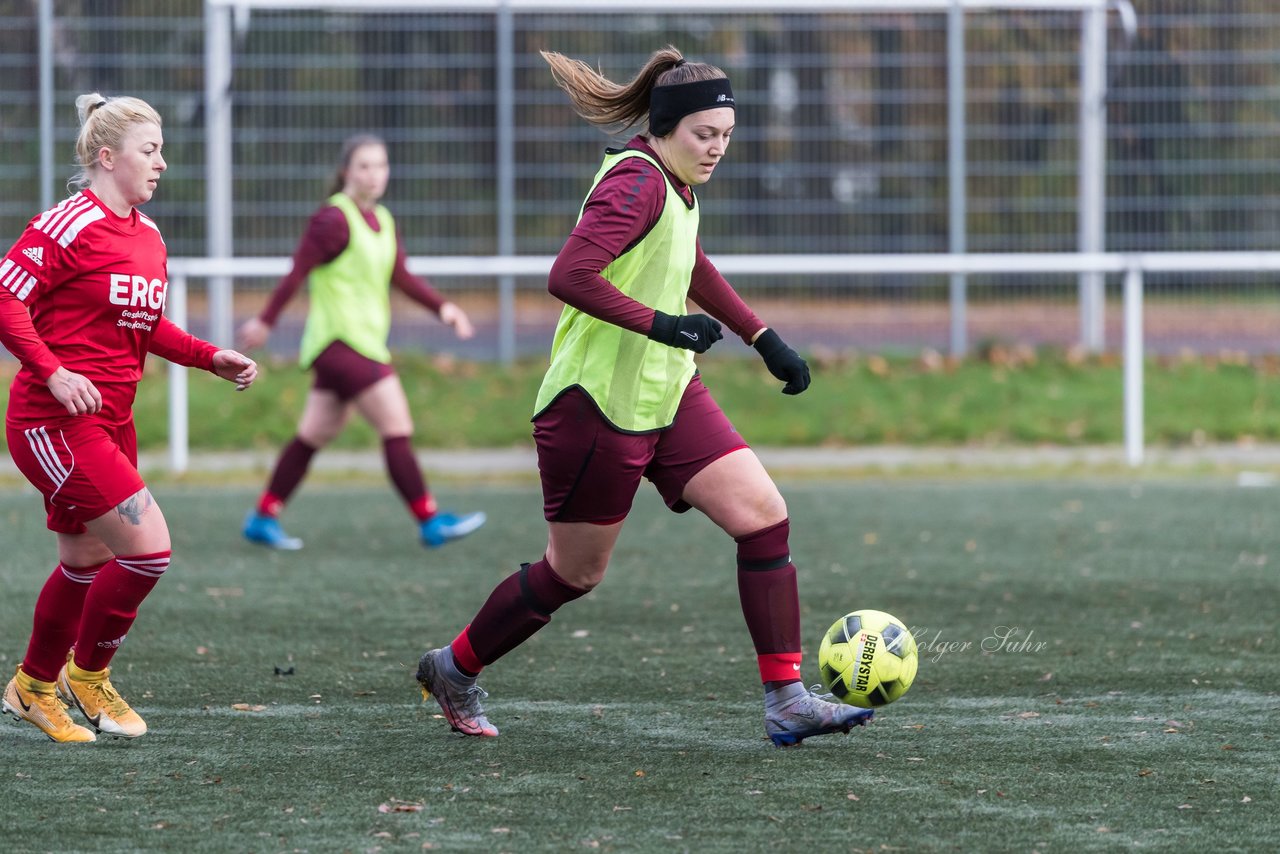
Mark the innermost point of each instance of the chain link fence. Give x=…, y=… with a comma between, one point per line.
x=841, y=146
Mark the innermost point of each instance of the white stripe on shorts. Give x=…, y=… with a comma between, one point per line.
x=42, y=447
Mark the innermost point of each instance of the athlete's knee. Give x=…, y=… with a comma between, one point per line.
x=581, y=571
x=135, y=526
x=586, y=574
x=317, y=436
x=544, y=589
x=765, y=509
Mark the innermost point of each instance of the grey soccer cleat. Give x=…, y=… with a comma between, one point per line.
x=459, y=698
x=792, y=716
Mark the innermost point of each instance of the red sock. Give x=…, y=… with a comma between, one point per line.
x=57, y=620
x=771, y=601
x=270, y=504
x=423, y=508
x=112, y=605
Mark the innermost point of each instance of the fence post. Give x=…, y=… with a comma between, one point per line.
x=179, y=446
x=1091, y=226
x=506, y=167
x=47, y=141
x=218, y=165
x=957, y=174
x=1133, y=366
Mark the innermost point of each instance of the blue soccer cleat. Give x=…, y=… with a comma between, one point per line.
x=266, y=531
x=793, y=715
x=446, y=527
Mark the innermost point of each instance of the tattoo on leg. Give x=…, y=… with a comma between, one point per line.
x=132, y=508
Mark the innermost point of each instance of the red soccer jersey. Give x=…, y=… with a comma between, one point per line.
x=94, y=286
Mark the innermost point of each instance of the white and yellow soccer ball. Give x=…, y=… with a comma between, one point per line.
x=867, y=659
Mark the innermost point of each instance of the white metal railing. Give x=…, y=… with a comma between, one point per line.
x=1133, y=267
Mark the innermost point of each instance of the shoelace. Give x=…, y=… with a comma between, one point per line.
x=474, y=695
x=109, y=696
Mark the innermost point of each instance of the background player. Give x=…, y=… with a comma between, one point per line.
x=82, y=297
x=352, y=253
x=622, y=398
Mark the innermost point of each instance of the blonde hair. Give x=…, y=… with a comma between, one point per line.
x=104, y=123
x=612, y=106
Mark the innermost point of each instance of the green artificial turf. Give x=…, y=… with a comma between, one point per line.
x=1098, y=672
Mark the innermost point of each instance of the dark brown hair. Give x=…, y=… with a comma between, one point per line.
x=616, y=107
x=349, y=148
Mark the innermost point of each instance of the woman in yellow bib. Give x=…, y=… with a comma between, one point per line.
x=351, y=255
x=622, y=399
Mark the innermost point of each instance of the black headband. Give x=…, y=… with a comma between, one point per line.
x=669, y=104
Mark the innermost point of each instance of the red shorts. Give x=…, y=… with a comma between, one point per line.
x=82, y=466
x=345, y=372
x=591, y=470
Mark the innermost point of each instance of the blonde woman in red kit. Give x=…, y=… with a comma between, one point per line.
x=82, y=297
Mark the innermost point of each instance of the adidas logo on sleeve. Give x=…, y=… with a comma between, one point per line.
x=36, y=254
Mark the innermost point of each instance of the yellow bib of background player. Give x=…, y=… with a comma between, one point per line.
x=351, y=295
x=636, y=383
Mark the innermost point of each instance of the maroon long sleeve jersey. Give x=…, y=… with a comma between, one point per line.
x=325, y=239
x=621, y=210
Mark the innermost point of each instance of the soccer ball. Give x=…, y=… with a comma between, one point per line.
x=867, y=659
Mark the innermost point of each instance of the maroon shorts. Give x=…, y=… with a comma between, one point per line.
x=345, y=372
x=82, y=466
x=591, y=470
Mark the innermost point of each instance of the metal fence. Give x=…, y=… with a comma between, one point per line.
x=841, y=147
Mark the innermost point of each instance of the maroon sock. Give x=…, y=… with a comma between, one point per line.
x=290, y=469
x=520, y=605
x=57, y=620
x=112, y=605
x=771, y=601
x=406, y=474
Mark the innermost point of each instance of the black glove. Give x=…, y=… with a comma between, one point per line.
x=783, y=362
x=695, y=332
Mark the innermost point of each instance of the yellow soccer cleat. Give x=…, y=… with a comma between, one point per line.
x=94, y=695
x=37, y=702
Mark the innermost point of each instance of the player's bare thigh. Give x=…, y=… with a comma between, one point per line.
x=323, y=417
x=737, y=494
x=580, y=551
x=385, y=406
x=80, y=550
x=134, y=526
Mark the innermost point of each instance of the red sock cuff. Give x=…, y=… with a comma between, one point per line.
x=463, y=654
x=82, y=574
x=270, y=504
x=149, y=565
x=779, y=666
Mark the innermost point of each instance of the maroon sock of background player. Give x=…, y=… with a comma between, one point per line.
x=290, y=469
x=406, y=475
